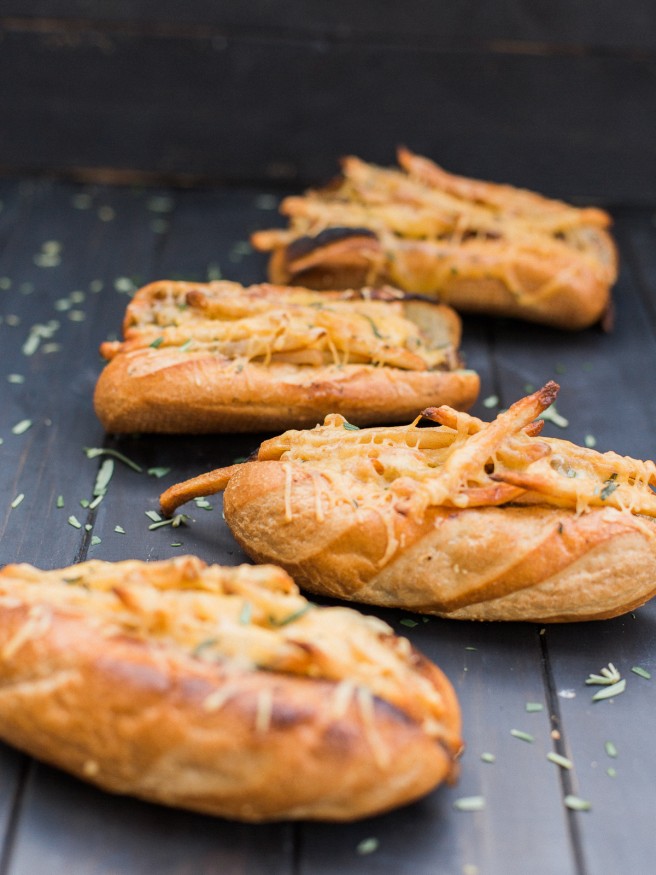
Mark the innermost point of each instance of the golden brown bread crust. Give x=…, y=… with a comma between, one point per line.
x=469, y=520
x=162, y=380
x=477, y=246
x=539, y=564
x=117, y=697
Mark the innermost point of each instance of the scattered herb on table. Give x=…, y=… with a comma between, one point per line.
x=19, y=498
x=94, y=452
x=559, y=760
x=523, y=736
x=608, y=675
x=575, y=803
x=533, y=707
x=368, y=846
x=22, y=426
x=488, y=757
x=119, y=530
x=609, y=692
x=74, y=521
x=491, y=401
x=158, y=472
x=641, y=672
x=469, y=803
x=611, y=750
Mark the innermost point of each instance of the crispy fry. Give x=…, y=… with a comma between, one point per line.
x=205, y=484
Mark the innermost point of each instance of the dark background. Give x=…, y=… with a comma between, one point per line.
x=560, y=96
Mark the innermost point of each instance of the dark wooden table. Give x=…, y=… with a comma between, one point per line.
x=69, y=257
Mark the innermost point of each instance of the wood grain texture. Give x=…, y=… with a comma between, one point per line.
x=257, y=105
x=584, y=24
x=524, y=827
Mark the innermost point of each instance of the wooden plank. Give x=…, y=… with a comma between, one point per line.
x=80, y=831
x=605, y=380
x=496, y=679
x=258, y=108
x=618, y=830
x=587, y=23
x=84, y=830
x=496, y=670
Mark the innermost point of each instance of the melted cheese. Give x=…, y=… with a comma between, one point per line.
x=409, y=469
x=241, y=618
x=170, y=320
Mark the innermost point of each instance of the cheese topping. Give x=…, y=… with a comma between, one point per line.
x=464, y=462
x=242, y=618
x=472, y=228
x=170, y=321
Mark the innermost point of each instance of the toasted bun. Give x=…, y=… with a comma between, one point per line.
x=471, y=520
x=281, y=361
x=539, y=564
x=477, y=246
x=218, y=690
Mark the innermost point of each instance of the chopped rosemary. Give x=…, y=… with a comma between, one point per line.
x=491, y=401
x=88, y=527
x=104, y=476
x=610, y=771
x=469, y=647
x=246, y=613
x=60, y=501
x=124, y=284
x=203, y=645
x=533, y=707
x=469, y=803
x=203, y=503
x=176, y=543
x=94, y=452
x=15, y=378
x=374, y=327
x=552, y=415
x=367, y=846
x=74, y=521
x=575, y=803
x=559, y=760
x=185, y=346
x=610, y=486
x=18, y=499
x=22, y=426
x=488, y=757
x=84, y=502
x=292, y=617
x=96, y=501
x=153, y=516
x=350, y=427
x=175, y=521
x=95, y=540
x=523, y=736
x=406, y=621
x=158, y=472
x=608, y=675
x=641, y=672
x=119, y=529
x=590, y=441
x=609, y=692
x=611, y=750
x=157, y=342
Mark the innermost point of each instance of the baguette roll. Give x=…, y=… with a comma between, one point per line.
x=469, y=520
x=221, y=690
x=478, y=246
x=218, y=357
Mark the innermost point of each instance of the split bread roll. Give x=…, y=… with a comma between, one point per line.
x=221, y=690
x=479, y=246
x=468, y=519
x=218, y=357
